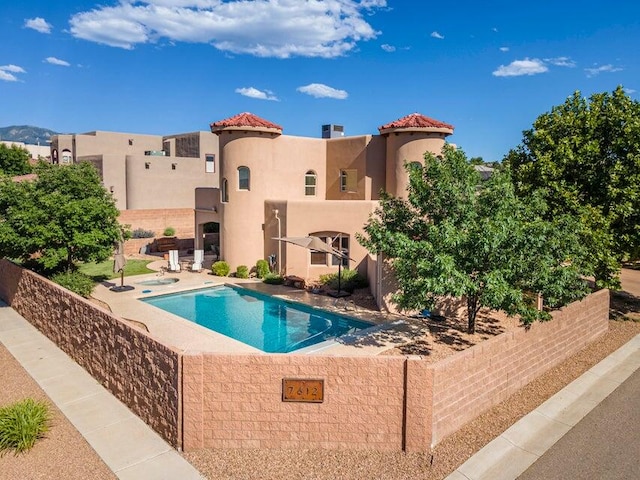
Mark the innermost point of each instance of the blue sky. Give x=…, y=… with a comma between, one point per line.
x=172, y=66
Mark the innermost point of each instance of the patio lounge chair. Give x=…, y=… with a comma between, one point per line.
x=174, y=261
x=198, y=258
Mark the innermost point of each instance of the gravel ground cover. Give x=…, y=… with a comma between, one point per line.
x=63, y=454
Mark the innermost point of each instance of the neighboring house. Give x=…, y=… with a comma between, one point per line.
x=36, y=151
x=274, y=185
x=144, y=171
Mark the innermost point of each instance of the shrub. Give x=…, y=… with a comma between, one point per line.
x=220, y=268
x=75, y=281
x=273, y=279
x=349, y=280
x=142, y=233
x=242, y=271
x=169, y=232
x=262, y=268
x=22, y=423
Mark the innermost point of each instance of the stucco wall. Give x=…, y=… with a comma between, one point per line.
x=141, y=372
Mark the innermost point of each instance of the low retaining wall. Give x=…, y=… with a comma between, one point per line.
x=141, y=372
x=236, y=401
x=472, y=381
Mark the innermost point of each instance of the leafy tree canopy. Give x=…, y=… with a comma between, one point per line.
x=14, y=160
x=456, y=235
x=584, y=158
x=62, y=217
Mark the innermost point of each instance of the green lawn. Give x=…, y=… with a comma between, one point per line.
x=102, y=271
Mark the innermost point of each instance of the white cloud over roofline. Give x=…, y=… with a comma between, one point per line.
x=38, y=24
x=252, y=92
x=7, y=72
x=593, y=71
x=264, y=28
x=518, y=68
x=57, y=61
x=320, y=90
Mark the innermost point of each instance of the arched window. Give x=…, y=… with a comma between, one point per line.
x=224, y=191
x=244, y=177
x=415, y=165
x=66, y=156
x=310, y=180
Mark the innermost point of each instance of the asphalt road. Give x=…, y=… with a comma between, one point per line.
x=605, y=445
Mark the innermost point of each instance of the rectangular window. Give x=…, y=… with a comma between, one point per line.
x=319, y=258
x=341, y=243
x=210, y=163
x=349, y=180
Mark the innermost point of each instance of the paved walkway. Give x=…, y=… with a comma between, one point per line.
x=126, y=444
x=513, y=452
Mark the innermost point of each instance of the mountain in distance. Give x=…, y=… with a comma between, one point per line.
x=26, y=134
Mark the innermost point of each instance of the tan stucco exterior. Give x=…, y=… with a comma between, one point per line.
x=275, y=204
x=262, y=184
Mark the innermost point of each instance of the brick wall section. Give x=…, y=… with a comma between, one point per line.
x=236, y=402
x=141, y=372
x=181, y=219
x=470, y=382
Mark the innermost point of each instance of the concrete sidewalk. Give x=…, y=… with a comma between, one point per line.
x=510, y=454
x=130, y=448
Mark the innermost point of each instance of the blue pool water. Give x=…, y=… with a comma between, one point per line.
x=264, y=322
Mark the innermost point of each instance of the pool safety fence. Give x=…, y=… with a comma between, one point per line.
x=211, y=400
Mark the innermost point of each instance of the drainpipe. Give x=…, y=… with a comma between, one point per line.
x=279, y=262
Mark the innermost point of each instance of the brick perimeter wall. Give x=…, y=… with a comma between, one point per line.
x=138, y=370
x=181, y=219
x=472, y=381
x=236, y=402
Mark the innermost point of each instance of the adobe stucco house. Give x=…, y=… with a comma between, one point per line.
x=274, y=185
x=257, y=184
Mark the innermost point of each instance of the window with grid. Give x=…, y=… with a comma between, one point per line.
x=349, y=180
x=310, y=180
x=244, y=177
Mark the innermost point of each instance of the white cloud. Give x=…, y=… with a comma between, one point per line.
x=561, y=61
x=629, y=91
x=494, y=29
x=504, y=49
x=320, y=90
x=592, y=72
x=7, y=72
x=437, y=35
x=39, y=24
x=255, y=93
x=264, y=28
x=57, y=61
x=388, y=48
x=521, y=67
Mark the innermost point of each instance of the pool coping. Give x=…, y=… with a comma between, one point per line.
x=189, y=337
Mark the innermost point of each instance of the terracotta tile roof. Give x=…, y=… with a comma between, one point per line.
x=245, y=119
x=416, y=120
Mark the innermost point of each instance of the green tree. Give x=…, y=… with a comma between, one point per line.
x=64, y=216
x=584, y=157
x=14, y=160
x=456, y=235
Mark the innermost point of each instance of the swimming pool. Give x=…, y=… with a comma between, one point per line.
x=264, y=322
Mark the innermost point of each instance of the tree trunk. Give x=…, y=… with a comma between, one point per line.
x=472, y=311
